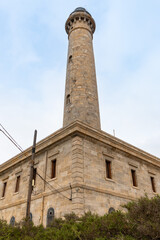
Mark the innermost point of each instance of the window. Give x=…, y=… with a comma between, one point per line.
x=134, y=179
x=108, y=169
x=50, y=216
x=111, y=210
x=70, y=58
x=30, y=217
x=68, y=100
x=153, y=184
x=17, y=184
x=53, y=168
x=4, y=189
x=12, y=221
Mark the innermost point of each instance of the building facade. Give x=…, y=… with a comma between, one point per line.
x=79, y=168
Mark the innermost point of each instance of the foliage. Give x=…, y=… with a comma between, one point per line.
x=144, y=218
x=142, y=221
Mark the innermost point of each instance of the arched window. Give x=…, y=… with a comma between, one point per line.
x=50, y=216
x=111, y=209
x=30, y=217
x=70, y=58
x=12, y=221
x=68, y=99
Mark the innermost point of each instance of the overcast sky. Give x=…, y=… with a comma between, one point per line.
x=33, y=55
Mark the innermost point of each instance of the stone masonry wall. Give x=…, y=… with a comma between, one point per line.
x=44, y=195
x=81, y=97
x=81, y=164
x=101, y=192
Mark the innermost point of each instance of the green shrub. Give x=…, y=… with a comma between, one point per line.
x=122, y=237
x=144, y=218
x=142, y=221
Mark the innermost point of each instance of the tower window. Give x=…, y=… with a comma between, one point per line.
x=153, y=184
x=108, y=169
x=68, y=99
x=4, y=189
x=134, y=179
x=53, y=168
x=70, y=58
x=17, y=184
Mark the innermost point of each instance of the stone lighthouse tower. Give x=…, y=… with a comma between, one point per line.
x=79, y=168
x=81, y=97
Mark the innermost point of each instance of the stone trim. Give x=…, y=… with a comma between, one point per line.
x=151, y=173
x=107, y=155
x=80, y=199
x=137, y=188
x=5, y=179
x=80, y=17
x=110, y=180
x=85, y=131
x=18, y=173
x=52, y=179
x=15, y=193
x=53, y=154
x=77, y=174
x=133, y=165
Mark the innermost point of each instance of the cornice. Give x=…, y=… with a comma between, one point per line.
x=119, y=144
x=128, y=196
x=64, y=189
x=85, y=131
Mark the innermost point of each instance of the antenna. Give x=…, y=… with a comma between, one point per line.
x=114, y=132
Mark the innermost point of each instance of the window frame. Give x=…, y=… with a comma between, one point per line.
x=53, y=168
x=134, y=177
x=152, y=180
x=50, y=216
x=12, y=221
x=18, y=179
x=108, y=167
x=68, y=99
x=4, y=189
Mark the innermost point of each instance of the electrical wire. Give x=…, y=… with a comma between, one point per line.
x=52, y=186
x=11, y=138
x=48, y=177
x=6, y=133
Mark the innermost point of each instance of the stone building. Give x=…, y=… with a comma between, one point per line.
x=78, y=168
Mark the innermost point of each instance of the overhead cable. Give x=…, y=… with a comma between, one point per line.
x=10, y=138
x=48, y=176
x=6, y=133
x=52, y=187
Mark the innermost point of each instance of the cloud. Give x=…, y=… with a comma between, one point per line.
x=21, y=115
x=133, y=108
x=33, y=61
x=127, y=57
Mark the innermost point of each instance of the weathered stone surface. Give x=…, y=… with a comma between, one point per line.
x=80, y=149
x=81, y=97
x=91, y=190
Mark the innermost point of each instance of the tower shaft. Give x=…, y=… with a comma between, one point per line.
x=81, y=97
